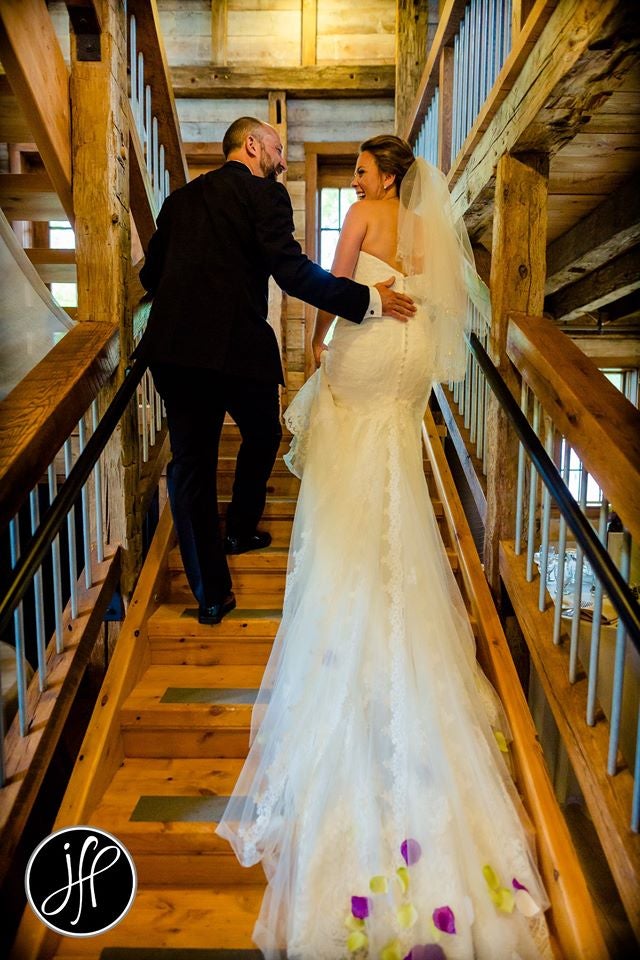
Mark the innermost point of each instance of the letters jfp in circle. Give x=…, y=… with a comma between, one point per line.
x=80, y=881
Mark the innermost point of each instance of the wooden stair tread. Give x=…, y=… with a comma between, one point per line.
x=282, y=508
x=181, y=621
x=180, y=917
x=270, y=559
x=193, y=780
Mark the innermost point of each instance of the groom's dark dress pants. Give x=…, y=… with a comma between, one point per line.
x=196, y=400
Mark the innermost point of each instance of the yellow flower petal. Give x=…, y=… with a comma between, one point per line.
x=501, y=741
x=506, y=902
x=353, y=923
x=407, y=915
x=402, y=874
x=391, y=951
x=491, y=877
x=356, y=941
x=378, y=884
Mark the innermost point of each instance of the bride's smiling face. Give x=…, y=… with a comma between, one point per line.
x=368, y=180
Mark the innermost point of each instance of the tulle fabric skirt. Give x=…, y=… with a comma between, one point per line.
x=375, y=792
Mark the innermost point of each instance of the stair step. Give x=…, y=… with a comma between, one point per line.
x=165, y=812
x=190, y=711
x=258, y=578
x=180, y=917
x=243, y=636
x=277, y=518
x=269, y=560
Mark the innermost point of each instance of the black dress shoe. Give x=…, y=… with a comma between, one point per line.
x=215, y=613
x=257, y=541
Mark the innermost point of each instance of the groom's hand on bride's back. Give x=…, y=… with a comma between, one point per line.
x=395, y=304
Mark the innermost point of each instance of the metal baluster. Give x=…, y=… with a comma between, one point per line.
x=467, y=392
x=484, y=432
x=140, y=115
x=38, y=597
x=97, y=482
x=84, y=499
x=577, y=587
x=477, y=56
x=152, y=413
x=71, y=536
x=546, y=522
x=474, y=381
x=160, y=174
x=154, y=152
x=158, y=405
x=147, y=125
x=18, y=633
x=562, y=549
x=506, y=45
x=55, y=565
x=469, y=79
x=618, y=666
x=596, y=626
x=144, y=418
x=533, y=497
x=455, y=94
x=133, y=73
x=498, y=39
x=465, y=83
x=524, y=402
x=167, y=184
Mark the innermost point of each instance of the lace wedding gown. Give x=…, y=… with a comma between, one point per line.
x=375, y=792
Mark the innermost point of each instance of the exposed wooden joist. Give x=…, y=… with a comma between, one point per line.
x=611, y=229
x=30, y=196
x=13, y=123
x=339, y=80
x=54, y=266
x=611, y=281
x=156, y=71
x=33, y=61
x=607, y=351
x=599, y=423
x=219, y=12
x=309, y=32
x=580, y=58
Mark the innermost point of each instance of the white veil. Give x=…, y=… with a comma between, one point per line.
x=436, y=255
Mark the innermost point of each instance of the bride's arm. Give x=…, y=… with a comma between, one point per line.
x=350, y=241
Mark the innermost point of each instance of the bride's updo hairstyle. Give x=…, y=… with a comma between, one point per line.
x=392, y=155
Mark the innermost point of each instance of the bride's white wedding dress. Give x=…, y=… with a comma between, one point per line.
x=375, y=792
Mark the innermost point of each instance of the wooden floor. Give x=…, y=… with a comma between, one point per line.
x=185, y=730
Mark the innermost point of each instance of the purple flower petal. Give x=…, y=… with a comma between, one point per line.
x=443, y=919
x=429, y=951
x=360, y=907
x=411, y=851
x=518, y=886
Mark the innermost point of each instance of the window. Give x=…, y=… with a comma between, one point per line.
x=62, y=237
x=334, y=203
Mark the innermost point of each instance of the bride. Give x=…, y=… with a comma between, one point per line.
x=375, y=793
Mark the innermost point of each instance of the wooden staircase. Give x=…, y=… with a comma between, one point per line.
x=168, y=748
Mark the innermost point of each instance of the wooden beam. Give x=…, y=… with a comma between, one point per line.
x=309, y=32
x=517, y=283
x=33, y=61
x=412, y=26
x=610, y=282
x=580, y=58
x=339, y=80
x=607, y=351
x=156, y=71
x=219, y=23
x=600, y=424
x=13, y=123
x=40, y=413
x=610, y=230
x=30, y=196
x=608, y=798
x=54, y=266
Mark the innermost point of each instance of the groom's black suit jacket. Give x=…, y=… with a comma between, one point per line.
x=219, y=238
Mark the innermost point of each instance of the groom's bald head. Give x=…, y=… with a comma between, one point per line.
x=256, y=144
x=240, y=129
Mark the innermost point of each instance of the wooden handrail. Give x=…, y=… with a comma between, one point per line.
x=39, y=414
x=573, y=915
x=599, y=423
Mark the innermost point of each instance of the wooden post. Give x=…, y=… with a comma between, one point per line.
x=445, y=113
x=517, y=285
x=278, y=299
x=411, y=42
x=103, y=248
x=309, y=32
x=219, y=15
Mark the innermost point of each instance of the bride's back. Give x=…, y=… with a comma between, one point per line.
x=381, y=231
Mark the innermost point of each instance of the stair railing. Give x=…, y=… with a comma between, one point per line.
x=588, y=631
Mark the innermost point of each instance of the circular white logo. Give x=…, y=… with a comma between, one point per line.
x=80, y=881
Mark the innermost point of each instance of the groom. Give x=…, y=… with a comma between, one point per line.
x=212, y=351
